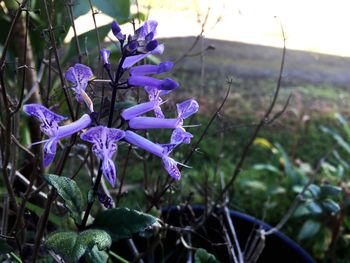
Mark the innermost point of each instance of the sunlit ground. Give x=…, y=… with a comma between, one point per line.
x=317, y=26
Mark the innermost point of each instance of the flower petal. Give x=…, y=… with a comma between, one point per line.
x=105, y=53
x=152, y=69
x=49, y=151
x=74, y=127
x=154, y=123
x=130, y=61
x=143, y=143
x=170, y=166
x=115, y=134
x=109, y=171
x=94, y=134
x=42, y=113
x=79, y=75
x=49, y=120
x=180, y=135
x=149, y=26
x=138, y=110
x=187, y=108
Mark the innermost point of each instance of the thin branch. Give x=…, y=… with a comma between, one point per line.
x=55, y=50
x=265, y=119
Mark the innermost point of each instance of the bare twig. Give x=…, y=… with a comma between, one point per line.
x=265, y=119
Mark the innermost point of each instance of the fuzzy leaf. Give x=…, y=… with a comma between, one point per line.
x=69, y=191
x=314, y=190
x=331, y=206
x=96, y=256
x=72, y=246
x=314, y=207
x=309, y=229
x=123, y=222
x=332, y=190
x=202, y=256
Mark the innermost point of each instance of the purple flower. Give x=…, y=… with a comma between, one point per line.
x=165, y=84
x=163, y=152
x=143, y=42
x=138, y=110
x=49, y=120
x=154, y=95
x=153, y=104
x=49, y=125
x=79, y=75
x=104, y=147
x=180, y=135
x=145, y=36
x=145, y=123
x=147, y=31
x=117, y=32
x=105, y=53
x=184, y=109
x=187, y=108
x=152, y=69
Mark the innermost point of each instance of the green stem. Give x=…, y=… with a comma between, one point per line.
x=123, y=260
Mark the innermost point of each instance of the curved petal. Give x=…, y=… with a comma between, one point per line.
x=130, y=61
x=148, y=27
x=109, y=171
x=115, y=134
x=180, y=135
x=49, y=151
x=186, y=108
x=170, y=166
x=42, y=113
x=49, y=120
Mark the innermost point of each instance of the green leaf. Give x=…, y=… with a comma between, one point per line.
x=331, y=206
x=288, y=167
x=309, y=229
x=254, y=184
x=344, y=123
x=96, y=256
x=337, y=137
x=72, y=246
x=69, y=191
x=301, y=211
x=117, y=9
x=152, y=59
x=313, y=207
x=202, y=256
x=123, y=222
x=4, y=247
x=88, y=43
x=140, y=15
x=314, y=190
x=267, y=167
x=57, y=220
x=332, y=190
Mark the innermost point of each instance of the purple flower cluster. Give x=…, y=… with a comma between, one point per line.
x=103, y=138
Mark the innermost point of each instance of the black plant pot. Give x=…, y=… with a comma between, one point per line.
x=278, y=247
